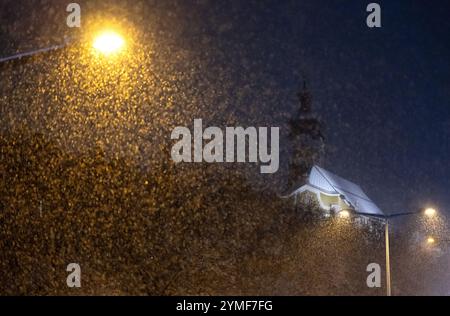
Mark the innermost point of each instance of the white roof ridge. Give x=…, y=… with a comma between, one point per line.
x=351, y=191
x=322, y=171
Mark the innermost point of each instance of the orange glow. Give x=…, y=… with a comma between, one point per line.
x=109, y=42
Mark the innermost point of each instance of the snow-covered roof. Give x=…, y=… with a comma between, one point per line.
x=351, y=192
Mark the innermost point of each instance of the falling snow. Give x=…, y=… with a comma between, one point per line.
x=86, y=174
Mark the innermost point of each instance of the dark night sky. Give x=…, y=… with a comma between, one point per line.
x=384, y=94
x=390, y=88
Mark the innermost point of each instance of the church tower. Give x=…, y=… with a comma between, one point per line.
x=306, y=138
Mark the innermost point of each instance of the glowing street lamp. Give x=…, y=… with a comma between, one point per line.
x=344, y=214
x=109, y=42
x=430, y=212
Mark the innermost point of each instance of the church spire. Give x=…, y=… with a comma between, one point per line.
x=306, y=139
x=305, y=100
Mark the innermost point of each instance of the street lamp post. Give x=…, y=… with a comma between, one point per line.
x=388, y=261
x=430, y=212
x=32, y=52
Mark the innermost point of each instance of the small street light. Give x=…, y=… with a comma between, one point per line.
x=344, y=214
x=435, y=240
x=429, y=212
